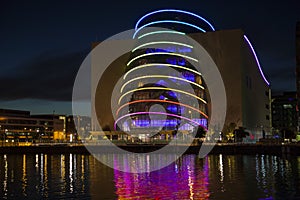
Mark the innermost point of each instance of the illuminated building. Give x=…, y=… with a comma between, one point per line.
x=141, y=92
x=64, y=126
x=59, y=125
x=21, y=126
x=247, y=88
x=284, y=113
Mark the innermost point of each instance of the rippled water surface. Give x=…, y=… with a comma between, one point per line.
x=75, y=176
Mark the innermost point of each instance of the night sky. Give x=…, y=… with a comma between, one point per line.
x=42, y=43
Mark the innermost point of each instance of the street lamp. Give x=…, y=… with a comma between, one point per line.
x=5, y=135
x=38, y=134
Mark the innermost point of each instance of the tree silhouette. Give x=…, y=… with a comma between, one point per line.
x=200, y=132
x=240, y=133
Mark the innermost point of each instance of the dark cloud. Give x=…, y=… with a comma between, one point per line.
x=49, y=76
x=29, y=28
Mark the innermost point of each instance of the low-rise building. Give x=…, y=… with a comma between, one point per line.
x=284, y=114
x=20, y=126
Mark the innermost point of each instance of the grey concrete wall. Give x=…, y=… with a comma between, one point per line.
x=246, y=105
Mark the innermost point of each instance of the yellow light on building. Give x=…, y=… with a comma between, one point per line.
x=59, y=135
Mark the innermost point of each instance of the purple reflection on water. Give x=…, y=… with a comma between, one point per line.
x=185, y=183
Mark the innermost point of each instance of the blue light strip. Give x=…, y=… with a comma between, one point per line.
x=158, y=113
x=257, y=61
x=173, y=10
x=168, y=21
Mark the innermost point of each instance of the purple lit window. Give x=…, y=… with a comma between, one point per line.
x=172, y=94
x=189, y=76
x=176, y=61
x=172, y=61
x=184, y=50
x=161, y=97
x=162, y=83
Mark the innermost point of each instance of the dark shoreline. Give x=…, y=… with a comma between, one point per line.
x=233, y=149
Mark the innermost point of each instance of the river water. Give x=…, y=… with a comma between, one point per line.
x=76, y=176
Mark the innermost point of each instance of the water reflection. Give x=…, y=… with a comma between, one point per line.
x=71, y=173
x=180, y=180
x=137, y=163
x=274, y=174
x=24, y=176
x=41, y=176
x=76, y=176
x=221, y=168
x=5, y=175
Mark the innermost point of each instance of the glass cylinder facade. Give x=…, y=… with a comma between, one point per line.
x=161, y=88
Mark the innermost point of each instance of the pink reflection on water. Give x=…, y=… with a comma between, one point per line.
x=187, y=178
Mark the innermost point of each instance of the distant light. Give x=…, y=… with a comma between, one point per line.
x=168, y=21
x=173, y=10
x=285, y=106
x=257, y=61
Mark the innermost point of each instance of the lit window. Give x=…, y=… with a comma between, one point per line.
x=286, y=106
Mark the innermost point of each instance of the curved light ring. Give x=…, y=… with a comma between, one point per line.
x=161, y=101
x=158, y=113
x=257, y=61
x=159, y=32
x=161, y=88
x=161, y=53
x=162, y=42
x=162, y=64
x=173, y=10
x=168, y=21
x=160, y=76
